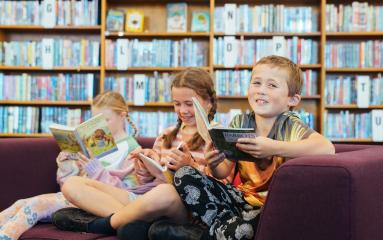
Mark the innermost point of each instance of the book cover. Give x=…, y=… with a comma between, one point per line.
x=230, y=51
x=279, y=46
x=377, y=125
x=115, y=20
x=176, y=17
x=230, y=18
x=134, y=20
x=200, y=21
x=224, y=139
x=122, y=46
x=47, y=56
x=92, y=137
x=363, y=91
x=139, y=89
x=155, y=168
x=48, y=13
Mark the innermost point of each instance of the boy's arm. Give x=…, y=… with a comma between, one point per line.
x=314, y=144
x=263, y=147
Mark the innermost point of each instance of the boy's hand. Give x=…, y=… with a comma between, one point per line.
x=259, y=147
x=213, y=156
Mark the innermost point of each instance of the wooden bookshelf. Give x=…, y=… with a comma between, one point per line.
x=155, y=27
x=155, y=34
x=45, y=103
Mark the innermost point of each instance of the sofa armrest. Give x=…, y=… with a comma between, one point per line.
x=28, y=168
x=326, y=197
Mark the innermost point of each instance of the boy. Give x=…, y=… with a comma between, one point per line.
x=232, y=213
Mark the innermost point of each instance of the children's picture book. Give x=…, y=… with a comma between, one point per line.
x=156, y=169
x=92, y=137
x=224, y=139
x=200, y=21
x=115, y=20
x=134, y=20
x=176, y=17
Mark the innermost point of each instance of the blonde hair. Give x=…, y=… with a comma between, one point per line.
x=116, y=103
x=202, y=83
x=295, y=80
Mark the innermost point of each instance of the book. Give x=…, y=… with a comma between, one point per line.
x=115, y=20
x=230, y=51
x=224, y=139
x=200, y=21
x=363, y=91
x=377, y=125
x=48, y=13
x=230, y=10
x=134, y=21
x=122, y=46
x=155, y=168
x=176, y=17
x=139, y=89
x=92, y=137
x=47, y=54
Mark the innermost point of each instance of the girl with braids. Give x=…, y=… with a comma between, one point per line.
x=116, y=172
x=157, y=198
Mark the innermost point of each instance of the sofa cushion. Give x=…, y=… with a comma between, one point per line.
x=48, y=231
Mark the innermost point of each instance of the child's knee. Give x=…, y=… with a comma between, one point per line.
x=167, y=198
x=69, y=188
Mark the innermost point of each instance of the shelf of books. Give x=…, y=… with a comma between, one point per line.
x=59, y=60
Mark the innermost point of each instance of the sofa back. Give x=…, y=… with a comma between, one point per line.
x=28, y=167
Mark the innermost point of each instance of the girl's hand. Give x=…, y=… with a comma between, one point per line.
x=82, y=160
x=259, y=147
x=178, y=159
x=147, y=152
x=143, y=175
x=64, y=156
x=213, y=157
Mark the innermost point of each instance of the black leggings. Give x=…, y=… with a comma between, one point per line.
x=221, y=207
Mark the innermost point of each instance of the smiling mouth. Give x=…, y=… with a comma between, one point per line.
x=261, y=101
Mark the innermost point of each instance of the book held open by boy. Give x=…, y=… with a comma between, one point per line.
x=224, y=139
x=92, y=137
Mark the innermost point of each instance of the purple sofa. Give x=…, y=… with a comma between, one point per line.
x=336, y=197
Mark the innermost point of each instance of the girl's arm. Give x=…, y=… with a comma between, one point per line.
x=219, y=167
x=116, y=177
x=66, y=166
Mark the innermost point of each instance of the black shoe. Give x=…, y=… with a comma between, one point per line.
x=72, y=219
x=167, y=230
x=137, y=230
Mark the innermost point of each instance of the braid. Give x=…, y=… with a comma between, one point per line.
x=169, y=138
x=131, y=123
x=213, y=110
x=197, y=141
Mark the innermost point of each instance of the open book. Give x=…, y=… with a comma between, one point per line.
x=224, y=139
x=92, y=137
x=156, y=169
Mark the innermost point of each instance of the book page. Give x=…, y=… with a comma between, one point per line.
x=155, y=168
x=65, y=138
x=201, y=119
x=97, y=137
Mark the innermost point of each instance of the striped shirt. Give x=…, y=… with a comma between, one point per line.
x=256, y=178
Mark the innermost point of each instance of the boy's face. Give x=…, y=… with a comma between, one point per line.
x=268, y=91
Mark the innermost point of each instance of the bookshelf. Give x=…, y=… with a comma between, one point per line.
x=155, y=28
